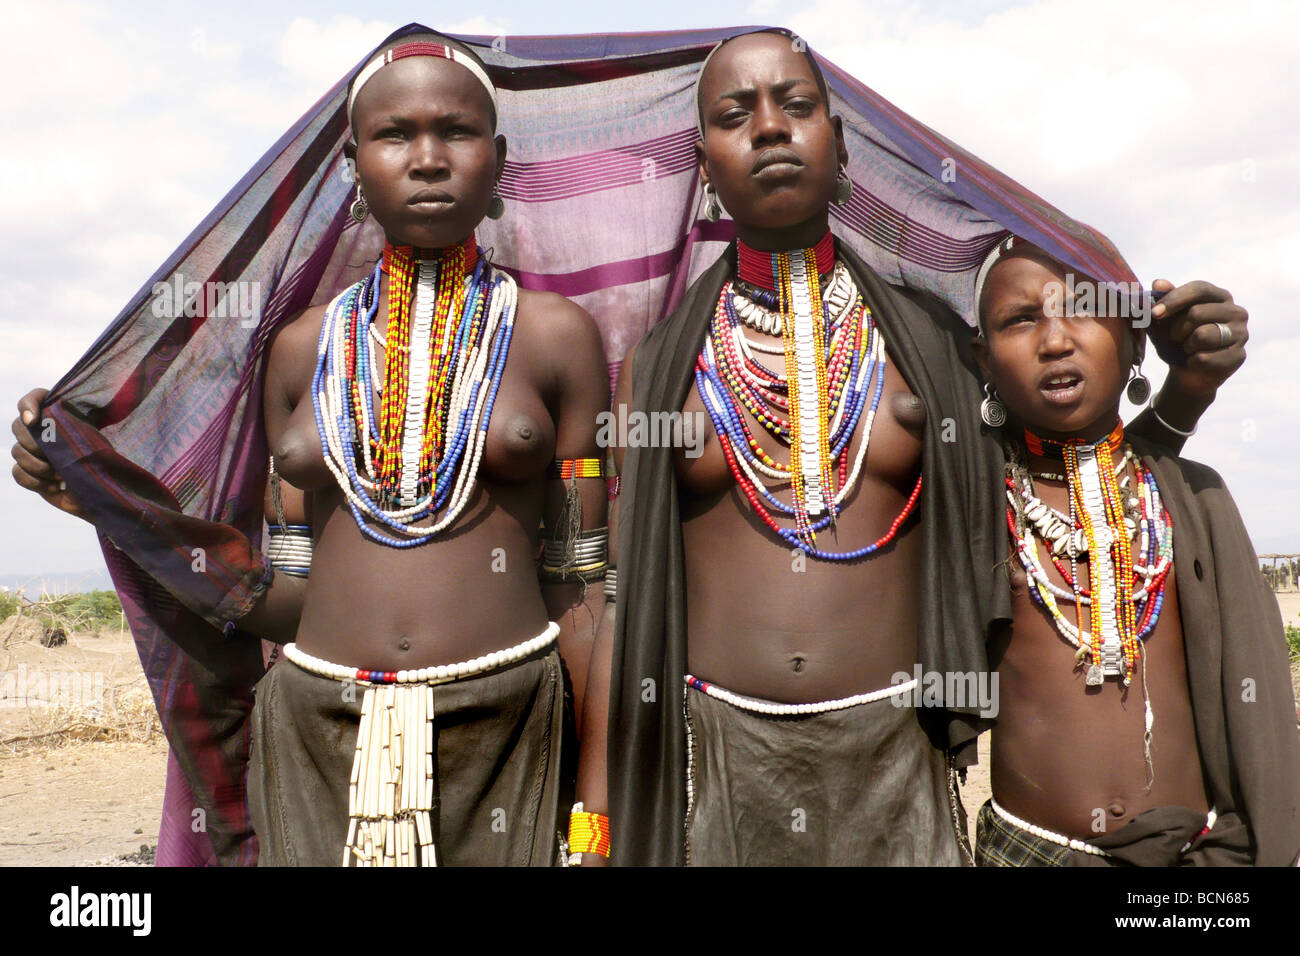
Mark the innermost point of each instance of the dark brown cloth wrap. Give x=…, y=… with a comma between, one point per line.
x=500, y=746
x=1236, y=650
x=963, y=591
x=862, y=786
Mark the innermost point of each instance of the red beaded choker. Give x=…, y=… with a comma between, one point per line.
x=759, y=268
x=468, y=247
x=1050, y=448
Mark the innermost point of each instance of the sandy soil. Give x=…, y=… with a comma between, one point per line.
x=65, y=801
x=1289, y=603
x=98, y=803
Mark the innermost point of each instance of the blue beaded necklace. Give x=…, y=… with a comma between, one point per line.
x=343, y=389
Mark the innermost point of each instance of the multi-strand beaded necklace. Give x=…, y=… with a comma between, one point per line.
x=443, y=360
x=1125, y=588
x=834, y=356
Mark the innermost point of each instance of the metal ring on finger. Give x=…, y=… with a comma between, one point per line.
x=1225, y=334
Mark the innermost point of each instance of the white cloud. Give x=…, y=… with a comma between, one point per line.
x=318, y=54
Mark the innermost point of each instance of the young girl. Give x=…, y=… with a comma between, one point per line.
x=1145, y=713
x=437, y=415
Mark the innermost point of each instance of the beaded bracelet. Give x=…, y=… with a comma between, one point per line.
x=566, y=468
x=588, y=832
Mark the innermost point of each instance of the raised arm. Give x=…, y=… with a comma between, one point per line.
x=1201, y=334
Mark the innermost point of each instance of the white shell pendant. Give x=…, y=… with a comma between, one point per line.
x=1094, y=676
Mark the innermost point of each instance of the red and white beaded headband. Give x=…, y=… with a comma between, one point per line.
x=420, y=48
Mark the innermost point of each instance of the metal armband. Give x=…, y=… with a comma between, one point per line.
x=290, y=546
x=583, y=557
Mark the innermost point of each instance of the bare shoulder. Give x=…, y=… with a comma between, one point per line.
x=556, y=320
x=562, y=338
x=293, y=351
x=300, y=332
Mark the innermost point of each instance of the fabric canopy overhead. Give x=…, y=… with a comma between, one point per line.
x=159, y=426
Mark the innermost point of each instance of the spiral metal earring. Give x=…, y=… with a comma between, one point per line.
x=359, y=208
x=992, y=411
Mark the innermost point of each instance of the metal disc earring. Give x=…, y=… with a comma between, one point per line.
x=712, y=208
x=843, y=187
x=359, y=208
x=1139, y=387
x=496, y=205
x=992, y=411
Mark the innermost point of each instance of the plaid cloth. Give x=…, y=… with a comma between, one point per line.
x=999, y=842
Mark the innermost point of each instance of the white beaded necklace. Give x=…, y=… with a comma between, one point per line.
x=470, y=399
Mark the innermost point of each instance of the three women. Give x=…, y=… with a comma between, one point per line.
x=896, y=550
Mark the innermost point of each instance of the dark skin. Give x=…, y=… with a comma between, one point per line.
x=760, y=101
x=754, y=625
x=1066, y=756
x=423, y=129
x=427, y=160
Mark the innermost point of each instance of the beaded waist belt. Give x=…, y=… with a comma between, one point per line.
x=439, y=674
x=391, y=788
x=1060, y=839
x=787, y=710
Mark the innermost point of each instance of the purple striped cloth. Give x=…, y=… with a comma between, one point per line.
x=159, y=424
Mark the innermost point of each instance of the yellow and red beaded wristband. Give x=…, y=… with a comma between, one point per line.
x=566, y=468
x=588, y=832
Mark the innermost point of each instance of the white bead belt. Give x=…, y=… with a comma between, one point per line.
x=787, y=710
x=439, y=674
x=1052, y=836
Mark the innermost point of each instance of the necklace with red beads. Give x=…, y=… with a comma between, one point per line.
x=834, y=362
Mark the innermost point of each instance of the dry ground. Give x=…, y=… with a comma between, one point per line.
x=81, y=773
x=82, y=760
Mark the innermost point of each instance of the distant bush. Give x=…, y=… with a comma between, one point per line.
x=1293, y=641
x=87, y=611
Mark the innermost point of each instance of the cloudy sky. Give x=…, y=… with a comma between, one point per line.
x=1171, y=126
